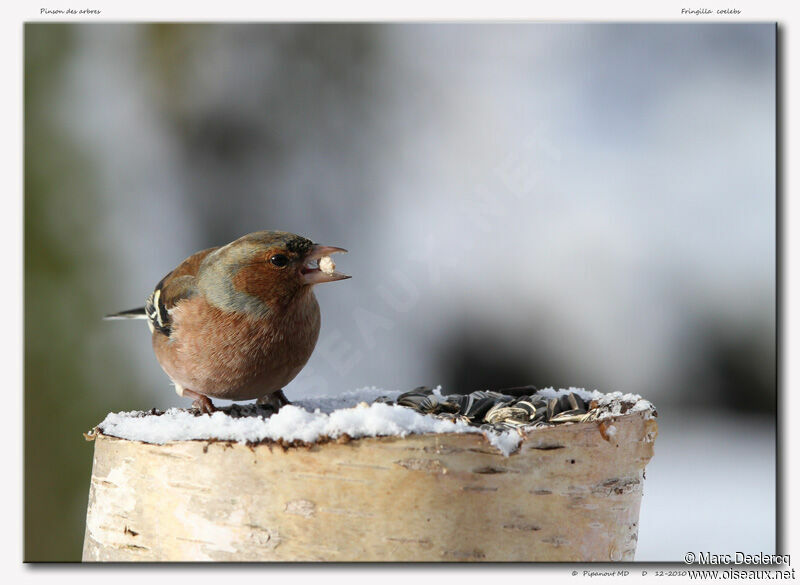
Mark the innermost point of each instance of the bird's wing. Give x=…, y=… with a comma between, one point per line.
x=174, y=287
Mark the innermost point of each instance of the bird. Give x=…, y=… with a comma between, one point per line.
x=240, y=321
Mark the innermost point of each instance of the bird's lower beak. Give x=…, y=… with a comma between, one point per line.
x=318, y=267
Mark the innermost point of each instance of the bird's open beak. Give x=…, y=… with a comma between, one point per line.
x=311, y=273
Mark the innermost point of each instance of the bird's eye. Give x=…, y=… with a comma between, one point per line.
x=279, y=260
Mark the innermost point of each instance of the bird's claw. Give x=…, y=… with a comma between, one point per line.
x=204, y=405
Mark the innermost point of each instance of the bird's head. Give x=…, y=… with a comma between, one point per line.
x=269, y=268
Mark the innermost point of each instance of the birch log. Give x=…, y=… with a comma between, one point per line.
x=571, y=493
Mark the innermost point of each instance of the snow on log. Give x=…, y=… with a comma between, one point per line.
x=375, y=482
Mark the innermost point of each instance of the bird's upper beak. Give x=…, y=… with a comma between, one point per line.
x=310, y=273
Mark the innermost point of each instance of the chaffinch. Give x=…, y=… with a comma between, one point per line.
x=239, y=321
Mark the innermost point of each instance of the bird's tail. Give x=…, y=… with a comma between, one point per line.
x=129, y=314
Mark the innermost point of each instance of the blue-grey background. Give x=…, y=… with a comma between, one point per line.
x=586, y=205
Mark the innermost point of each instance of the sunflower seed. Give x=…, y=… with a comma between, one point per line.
x=479, y=407
x=507, y=409
x=528, y=407
x=519, y=391
x=569, y=416
x=552, y=408
x=500, y=413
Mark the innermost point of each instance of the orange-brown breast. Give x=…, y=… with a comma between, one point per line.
x=234, y=355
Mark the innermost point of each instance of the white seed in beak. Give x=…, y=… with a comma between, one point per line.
x=327, y=265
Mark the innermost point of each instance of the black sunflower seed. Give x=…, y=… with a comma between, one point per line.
x=460, y=401
x=519, y=390
x=480, y=407
x=528, y=407
x=448, y=406
x=552, y=408
x=576, y=402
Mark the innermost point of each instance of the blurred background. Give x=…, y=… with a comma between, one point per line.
x=587, y=205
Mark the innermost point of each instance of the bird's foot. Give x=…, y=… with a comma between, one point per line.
x=282, y=398
x=201, y=402
x=274, y=400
